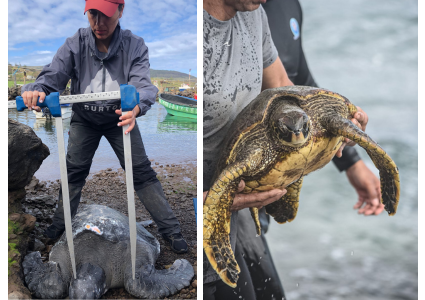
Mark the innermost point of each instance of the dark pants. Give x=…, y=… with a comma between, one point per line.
x=244, y=291
x=258, y=278
x=83, y=142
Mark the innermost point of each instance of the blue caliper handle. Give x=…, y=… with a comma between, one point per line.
x=129, y=97
x=51, y=101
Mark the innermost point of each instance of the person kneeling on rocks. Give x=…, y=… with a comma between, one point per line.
x=98, y=59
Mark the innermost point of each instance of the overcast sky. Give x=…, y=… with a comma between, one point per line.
x=37, y=28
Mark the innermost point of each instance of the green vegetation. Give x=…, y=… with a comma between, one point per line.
x=12, y=83
x=13, y=228
x=12, y=252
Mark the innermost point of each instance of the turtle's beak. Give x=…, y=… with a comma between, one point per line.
x=298, y=137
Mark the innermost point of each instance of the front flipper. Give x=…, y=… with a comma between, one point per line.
x=285, y=209
x=44, y=280
x=388, y=171
x=216, y=223
x=155, y=284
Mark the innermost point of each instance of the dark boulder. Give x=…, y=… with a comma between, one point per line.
x=26, y=153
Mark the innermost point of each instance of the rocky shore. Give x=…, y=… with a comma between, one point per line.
x=107, y=187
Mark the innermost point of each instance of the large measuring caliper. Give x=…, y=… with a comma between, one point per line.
x=129, y=99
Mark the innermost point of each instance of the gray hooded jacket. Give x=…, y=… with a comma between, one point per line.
x=91, y=71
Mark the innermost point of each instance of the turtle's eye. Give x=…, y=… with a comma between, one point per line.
x=305, y=127
x=282, y=126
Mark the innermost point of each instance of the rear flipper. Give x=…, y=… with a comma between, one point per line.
x=44, y=280
x=90, y=282
x=285, y=209
x=154, y=284
x=388, y=171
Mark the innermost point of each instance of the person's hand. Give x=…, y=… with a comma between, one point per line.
x=360, y=120
x=368, y=188
x=30, y=99
x=257, y=200
x=129, y=118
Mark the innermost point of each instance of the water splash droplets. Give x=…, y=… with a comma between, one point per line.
x=252, y=264
x=352, y=253
x=298, y=285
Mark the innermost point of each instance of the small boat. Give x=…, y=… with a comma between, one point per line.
x=66, y=110
x=179, y=105
x=183, y=87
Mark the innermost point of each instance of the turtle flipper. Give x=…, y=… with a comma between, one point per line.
x=256, y=218
x=44, y=280
x=156, y=284
x=216, y=222
x=90, y=282
x=285, y=209
x=388, y=171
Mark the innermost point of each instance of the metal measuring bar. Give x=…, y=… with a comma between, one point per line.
x=129, y=99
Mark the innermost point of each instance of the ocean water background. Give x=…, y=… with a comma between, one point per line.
x=366, y=51
x=167, y=140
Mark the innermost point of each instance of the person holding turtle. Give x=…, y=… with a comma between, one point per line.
x=285, y=21
x=240, y=60
x=99, y=59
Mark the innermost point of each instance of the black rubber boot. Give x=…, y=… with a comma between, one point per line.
x=54, y=231
x=154, y=200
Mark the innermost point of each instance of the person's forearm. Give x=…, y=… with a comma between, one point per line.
x=275, y=76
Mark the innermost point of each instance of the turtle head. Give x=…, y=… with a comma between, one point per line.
x=291, y=126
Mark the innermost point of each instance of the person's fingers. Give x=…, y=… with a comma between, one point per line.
x=28, y=100
x=42, y=97
x=362, y=117
x=241, y=186
x=118, y=112
x=372, y=206
x=125, y=121
x=359, y=203
x=130, y=128
x=264, y=198
x=34, y=99
x=380, y=209
x=24, y=98
x=339, y=152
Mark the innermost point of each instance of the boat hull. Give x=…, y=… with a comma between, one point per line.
x=180, y=110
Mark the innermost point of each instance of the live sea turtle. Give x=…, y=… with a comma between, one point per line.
x=280, y=137
x=103, y=260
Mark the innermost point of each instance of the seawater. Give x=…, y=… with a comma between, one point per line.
x=167, y=140
x=366, y=51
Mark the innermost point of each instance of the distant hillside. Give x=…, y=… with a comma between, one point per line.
x=154, y=73
x=170, y=74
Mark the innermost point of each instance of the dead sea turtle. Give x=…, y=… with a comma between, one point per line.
x=103, y=260
x=281, y=136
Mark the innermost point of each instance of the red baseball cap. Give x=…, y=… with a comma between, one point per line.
x=107, y=7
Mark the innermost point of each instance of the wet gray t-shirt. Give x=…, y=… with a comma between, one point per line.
x=235, y=53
